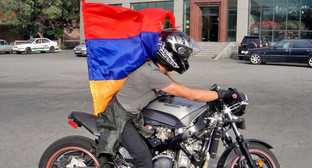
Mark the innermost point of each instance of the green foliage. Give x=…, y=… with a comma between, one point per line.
x=63, y=46
x=48, y=17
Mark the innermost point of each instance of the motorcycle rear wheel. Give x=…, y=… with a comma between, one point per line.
x=71, y=151
x=261, y=155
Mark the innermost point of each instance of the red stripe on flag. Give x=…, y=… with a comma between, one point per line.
x=103, y=21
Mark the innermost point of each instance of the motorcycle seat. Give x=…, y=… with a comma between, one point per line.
x=86, y=120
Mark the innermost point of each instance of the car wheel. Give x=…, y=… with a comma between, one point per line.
x=255, y=58
x=52, y=49
x=310, y=61
x=27, y=50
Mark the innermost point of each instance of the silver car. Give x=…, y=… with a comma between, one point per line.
x=5, y=47
x=81, y=50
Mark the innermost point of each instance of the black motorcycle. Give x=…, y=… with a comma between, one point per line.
x=187, y=135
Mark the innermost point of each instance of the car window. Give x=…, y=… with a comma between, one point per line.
x=45, y=41
x=283, y=45
x=309, y=45
x=299, y=44
x=265, y=42
x=38, y=41
x=252, y=40
x=30, y=41
x=1, y=42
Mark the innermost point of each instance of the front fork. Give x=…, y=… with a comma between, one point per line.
x=244, y=149
x=241, y=142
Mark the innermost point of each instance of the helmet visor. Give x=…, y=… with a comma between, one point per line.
x=195, y=47
x=183, y=44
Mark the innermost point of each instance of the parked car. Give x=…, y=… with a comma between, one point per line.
x=81, y=50
x=36, y=44
x=5, y=47
x=290, y=50
x=250, y=42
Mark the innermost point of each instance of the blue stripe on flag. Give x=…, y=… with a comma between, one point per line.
x=114, y=59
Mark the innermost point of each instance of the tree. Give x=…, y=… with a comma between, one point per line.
x=40, y=17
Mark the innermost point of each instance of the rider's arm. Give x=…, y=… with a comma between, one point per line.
x=191, y=94
x=169, y=76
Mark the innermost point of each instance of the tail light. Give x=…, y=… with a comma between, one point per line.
x=260, y=45
x=240, y=45
x=72, y=123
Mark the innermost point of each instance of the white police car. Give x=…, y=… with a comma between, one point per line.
x=36, y=44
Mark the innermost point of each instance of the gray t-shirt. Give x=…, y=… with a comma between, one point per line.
x=142, y=87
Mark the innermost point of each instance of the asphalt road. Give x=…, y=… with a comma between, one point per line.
x=38, y=91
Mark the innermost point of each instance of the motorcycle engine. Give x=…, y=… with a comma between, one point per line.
x=167, y=158
x=164, y=159
x=183, y=161
x=163, y=133
x=193, y=145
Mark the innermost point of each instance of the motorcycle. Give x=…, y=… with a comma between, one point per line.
x=187, y=135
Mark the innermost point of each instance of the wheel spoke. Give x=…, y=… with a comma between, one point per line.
x=255, y=58
x=80, y=157
x=262, y=160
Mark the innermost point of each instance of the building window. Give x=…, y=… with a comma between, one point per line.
x=231, y=20
x=186, y=17
x=166, y=5
x=280, y=19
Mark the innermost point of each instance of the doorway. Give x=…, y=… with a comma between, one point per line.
x=210, y=23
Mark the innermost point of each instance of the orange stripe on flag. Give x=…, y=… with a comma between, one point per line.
x=103, y=91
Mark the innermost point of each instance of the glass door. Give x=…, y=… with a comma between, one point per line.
x=210, y=23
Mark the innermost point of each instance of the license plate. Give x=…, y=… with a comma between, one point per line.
x=244, y=52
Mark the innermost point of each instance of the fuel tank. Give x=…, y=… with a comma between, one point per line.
x=172, y=111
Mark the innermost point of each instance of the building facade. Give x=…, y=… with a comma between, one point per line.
x=231, y=20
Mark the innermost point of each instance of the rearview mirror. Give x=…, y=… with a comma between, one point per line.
x=215, y=87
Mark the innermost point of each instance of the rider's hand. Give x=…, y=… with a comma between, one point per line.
x=228, y=95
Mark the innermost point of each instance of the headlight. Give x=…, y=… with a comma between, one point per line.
x=242, y=108
x=239, y=111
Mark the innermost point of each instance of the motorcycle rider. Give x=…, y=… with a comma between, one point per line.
x=122, y=121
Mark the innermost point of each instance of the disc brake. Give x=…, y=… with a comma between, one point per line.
x=75, y=163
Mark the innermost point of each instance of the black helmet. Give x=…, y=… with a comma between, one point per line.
x=174, y=49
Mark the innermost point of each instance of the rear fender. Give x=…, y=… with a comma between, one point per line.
x=232, y=152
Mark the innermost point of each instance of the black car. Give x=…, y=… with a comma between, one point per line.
x=250, y=42
x=290, y=50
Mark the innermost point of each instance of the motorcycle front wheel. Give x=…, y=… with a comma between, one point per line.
x=260, y=154
x=70, y=152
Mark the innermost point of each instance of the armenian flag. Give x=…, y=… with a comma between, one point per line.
x=118, y=41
